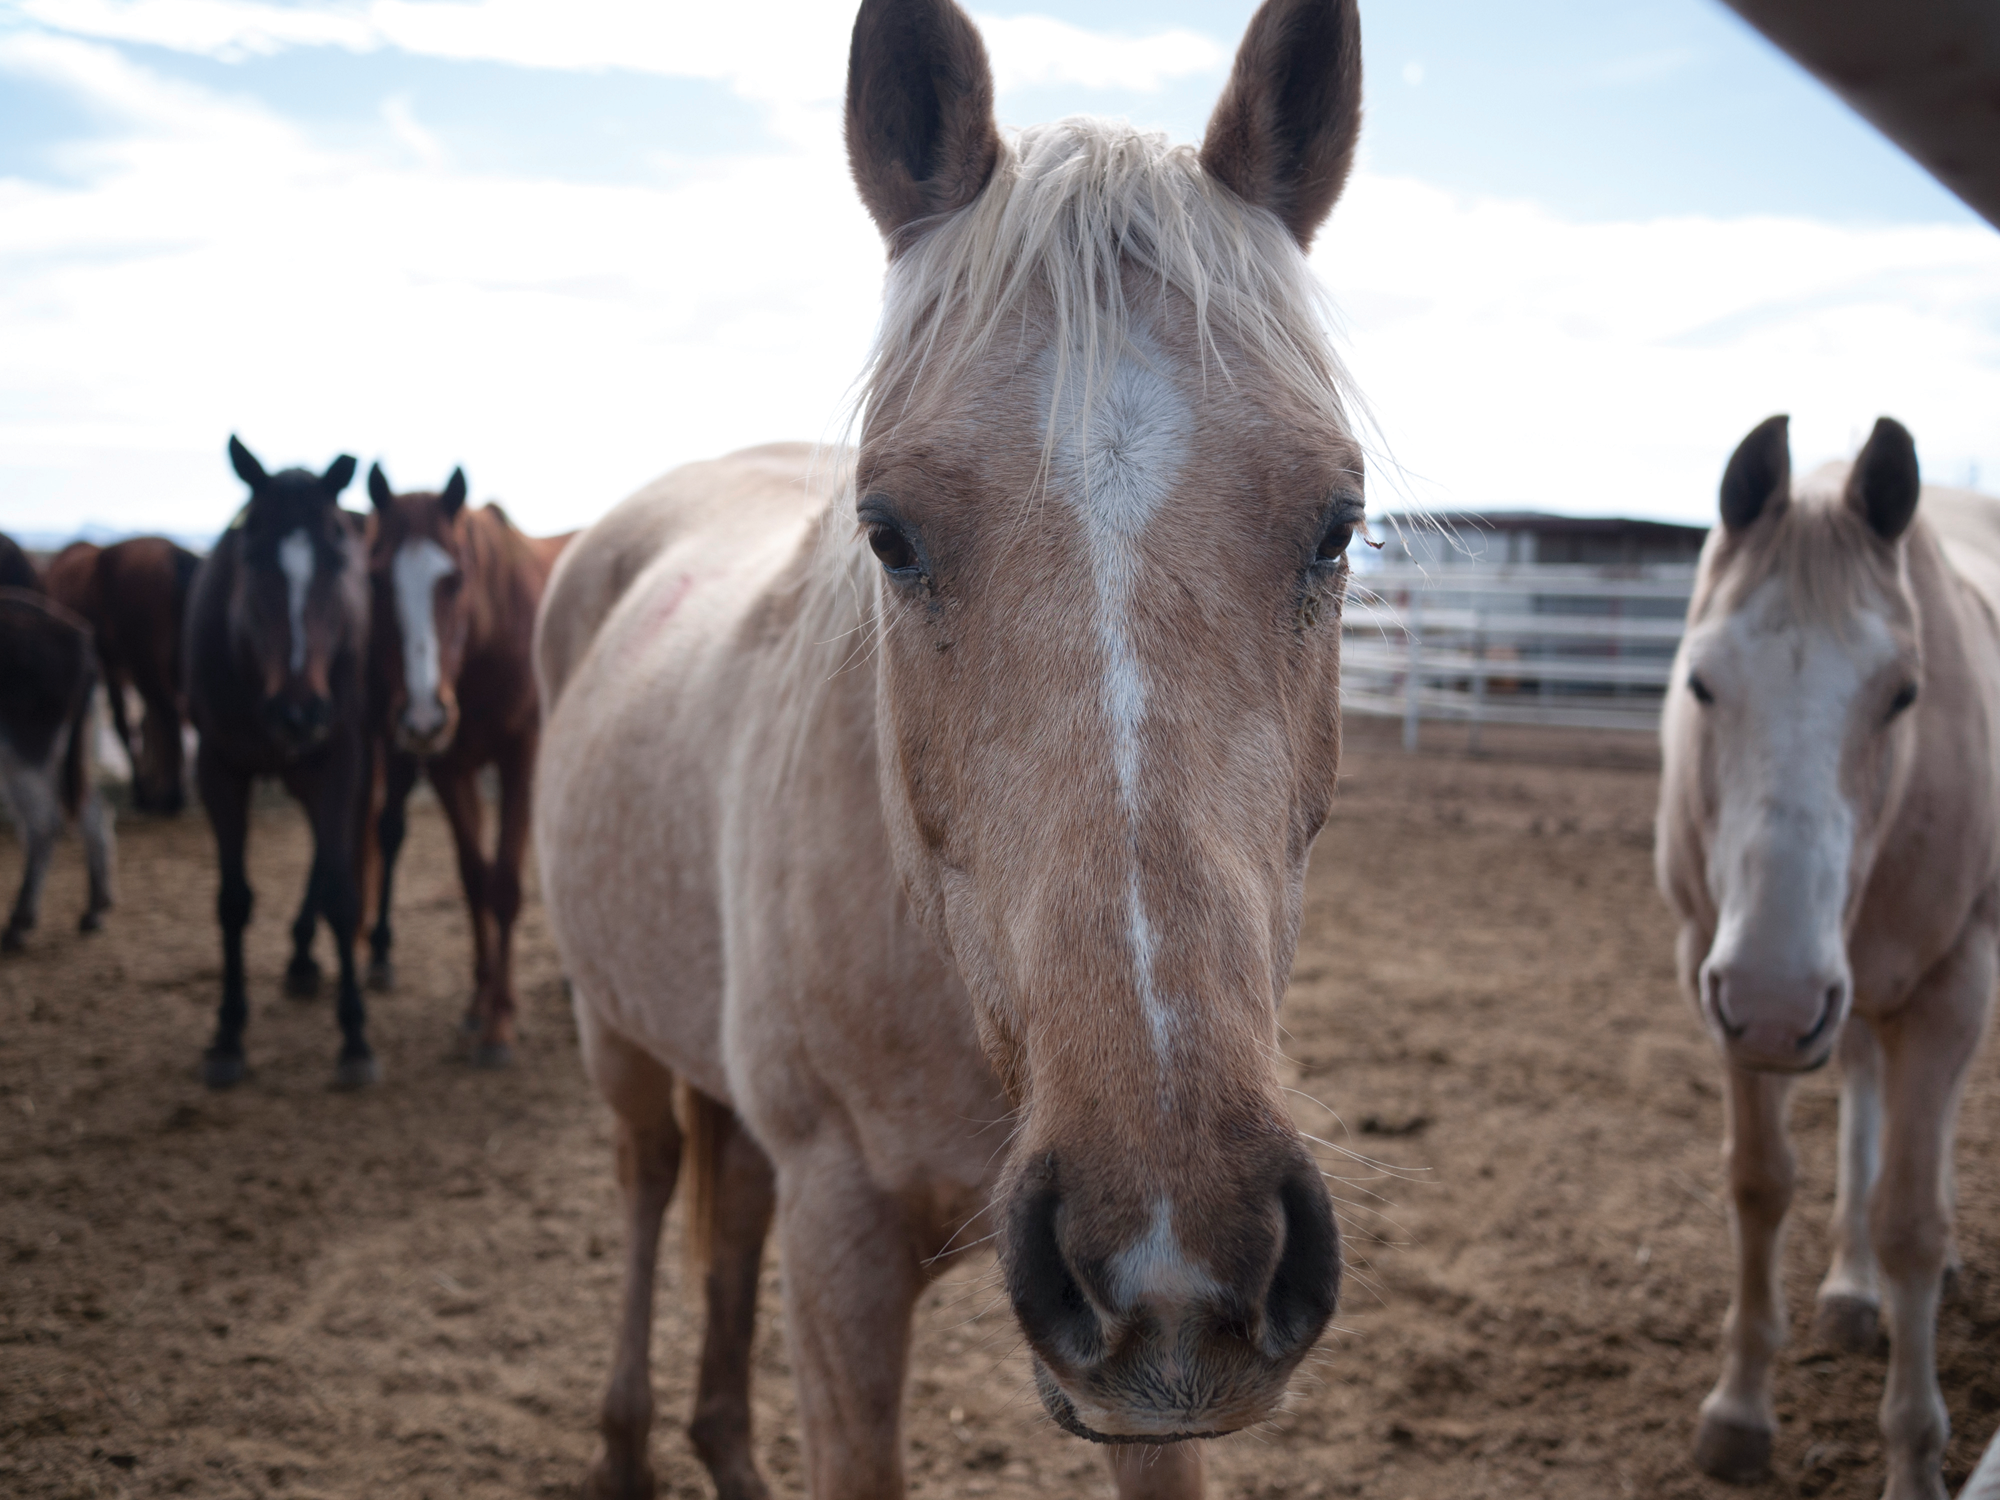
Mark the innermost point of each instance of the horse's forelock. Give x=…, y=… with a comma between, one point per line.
x=1079, y=218
x=1831, y=564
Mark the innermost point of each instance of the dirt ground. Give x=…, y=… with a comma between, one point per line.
x=285, y=1291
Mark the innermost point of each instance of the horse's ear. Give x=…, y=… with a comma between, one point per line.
x=1282, y=135
x=245, y=463
x=454, y=494
x=921, y=138
x=1884, y=483
x=378, y=487
x=338, y=476
x=1758, y=480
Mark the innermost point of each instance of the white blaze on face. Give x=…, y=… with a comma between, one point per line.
x=1155, y=1269
x=1783, y=843
x=1117, y=469
x=418, y=566
x=295, y=556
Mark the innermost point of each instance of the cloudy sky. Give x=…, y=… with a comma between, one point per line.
x=570, y=245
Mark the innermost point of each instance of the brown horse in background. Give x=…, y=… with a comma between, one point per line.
x=134, y=595
x=452, y=690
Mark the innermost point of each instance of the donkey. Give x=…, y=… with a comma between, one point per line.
x=134, y=594
x=48, y=674
x=453, y=687
x=936, y=816
x=277, y=644
x=1829, y=836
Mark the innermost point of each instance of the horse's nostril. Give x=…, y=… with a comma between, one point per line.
x=1717, y=1003
x=1047, y=1297
x=1829, y=1008
x=1305, y=1288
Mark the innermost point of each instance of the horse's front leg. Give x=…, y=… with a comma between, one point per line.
x=225, y=796
x=852, y=1275
x=640, y=1092
x=458, y=793
x=1926, y=1046
x=330, y=794
x=400, y=779
x=1145, y=1472
x=502, y=890
x=1850, y=1299
x=31, y=794
x=1738, y=1418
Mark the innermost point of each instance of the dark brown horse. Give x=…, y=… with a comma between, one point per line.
x=16, y=571
x=134, y=594
x=453, y=691
x=277, y=649
x=47, y=675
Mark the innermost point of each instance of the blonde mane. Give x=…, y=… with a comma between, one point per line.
x=1078, y=217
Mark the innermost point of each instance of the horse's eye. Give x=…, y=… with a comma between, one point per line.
x=1903, y=699
x=892, y=547
x=1333, y=542
x=1700, y=690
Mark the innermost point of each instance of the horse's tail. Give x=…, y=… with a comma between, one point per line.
x=704, y=1127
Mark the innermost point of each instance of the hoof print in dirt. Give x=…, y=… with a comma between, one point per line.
x=1732, y=1452
x=1849, y=1324
x=222, y=1070
x=302, y=980
x=357, y=1072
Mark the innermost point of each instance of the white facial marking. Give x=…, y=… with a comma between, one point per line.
x=295, y=556
x=1117, y=469
x=418, y=566
x=1783, y=842
x=1154, y=1268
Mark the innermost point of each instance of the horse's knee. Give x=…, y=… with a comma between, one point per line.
x=233, y=903
x=1910, y=1241
x=503, y=892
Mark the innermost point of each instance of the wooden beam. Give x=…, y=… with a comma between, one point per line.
x=1926, y=73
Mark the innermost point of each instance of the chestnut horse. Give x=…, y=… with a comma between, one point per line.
x=1829, y=836
x=277, y=646
x=48, y=674
x=938, y=815
x=134, y=594
x=453, y=688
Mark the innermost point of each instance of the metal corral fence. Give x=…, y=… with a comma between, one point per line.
x=1571, y=646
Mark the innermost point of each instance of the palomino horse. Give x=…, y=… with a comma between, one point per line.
x=453, y=683
x=277, y=645
x=134, y=594
x=48, y=673
x=938, y=814
x=1829, y=835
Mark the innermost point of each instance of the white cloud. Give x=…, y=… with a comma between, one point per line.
x=1518, y=359
x=213, y=270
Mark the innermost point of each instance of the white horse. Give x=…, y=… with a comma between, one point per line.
x=938, y=814
x=1829, y=835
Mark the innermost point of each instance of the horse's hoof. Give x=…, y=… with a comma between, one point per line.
x=12, y=941
x=302, y=979
x=612, y=1479
x=1952, y=1282
x=1852, y=1325
x=1731, y=1451
x=357, y=1072
x=493, y=1055
x=381, y=975
x=222, y=1070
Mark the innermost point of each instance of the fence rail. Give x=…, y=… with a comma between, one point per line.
x=1563, y=646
